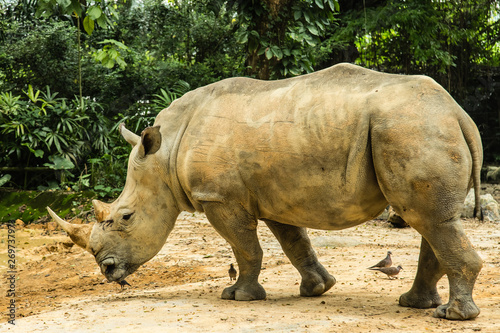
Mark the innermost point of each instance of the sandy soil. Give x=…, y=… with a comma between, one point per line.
x=61, y=289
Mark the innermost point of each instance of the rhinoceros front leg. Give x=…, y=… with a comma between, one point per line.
x=297, y=246
x=458, y=260
x=239, y=228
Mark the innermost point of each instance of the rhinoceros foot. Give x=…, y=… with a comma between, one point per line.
x=244, y=292
x=317, y=285
x=458, y=309
x=421, y=300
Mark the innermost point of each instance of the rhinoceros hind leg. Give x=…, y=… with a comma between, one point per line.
x=427, y=189
x=423, y=293
x=458, y=309
x=239, y=229
x=456, y=258
x=297, y=246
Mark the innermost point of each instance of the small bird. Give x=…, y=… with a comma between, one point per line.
x=123, y=283
x=389, y=271
x=386, y=262
x=232, y=273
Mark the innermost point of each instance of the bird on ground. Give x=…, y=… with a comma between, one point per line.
x=232, y=273
x=389, y=271
x=123, y=283
x=386, y=262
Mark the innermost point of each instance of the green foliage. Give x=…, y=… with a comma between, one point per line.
x=196, y=35
x=5, y=179
x=45, y=130
x=166, y=97
x=110, y=54
x=29, y=206
x=106, y=173
x=424, y=36
x=45, y=55
x=127, y=60
x=93, y=12
x=281, y=38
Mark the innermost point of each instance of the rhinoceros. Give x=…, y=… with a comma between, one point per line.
x=327, y=150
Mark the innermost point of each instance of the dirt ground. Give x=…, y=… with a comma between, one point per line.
x=59, y=288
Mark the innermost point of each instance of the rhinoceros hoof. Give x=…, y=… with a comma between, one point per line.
x=316, y=288
x=420, y=301
x=244, y=293
x=457, y=310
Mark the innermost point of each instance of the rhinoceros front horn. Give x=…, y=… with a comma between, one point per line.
x=79, y=233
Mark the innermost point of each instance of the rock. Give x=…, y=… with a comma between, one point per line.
x=385, y=214
x=67, y=245
x=396, y=220
x=22, y=208
x=53, y=248
x=51, y=226
x=488, y=204
x=77, y=220
x=493, y=175
x=19, y=224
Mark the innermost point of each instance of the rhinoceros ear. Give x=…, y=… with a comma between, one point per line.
x=150, y=141
x=129, y=136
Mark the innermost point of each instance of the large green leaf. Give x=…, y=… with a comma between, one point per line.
x=242, y=37
x=312, y=29
x=269, y=53
x=115, y=42
x=59, y=163
x=5, y=179
x=277, y=52
x=64, y=3
x=94, y=12
x=88, y=25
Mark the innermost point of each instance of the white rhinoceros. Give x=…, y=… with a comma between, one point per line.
x=327, y=150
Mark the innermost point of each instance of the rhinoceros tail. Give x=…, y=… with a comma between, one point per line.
x=473, y=139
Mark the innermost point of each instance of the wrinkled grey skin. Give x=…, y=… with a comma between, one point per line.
x=328, y=150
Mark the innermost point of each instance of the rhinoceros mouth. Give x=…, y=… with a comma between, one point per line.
x=112, y=270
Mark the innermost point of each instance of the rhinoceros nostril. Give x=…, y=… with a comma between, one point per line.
x=109, y=269
x=108, y=265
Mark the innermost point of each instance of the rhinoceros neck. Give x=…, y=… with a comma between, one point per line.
x=174, y=122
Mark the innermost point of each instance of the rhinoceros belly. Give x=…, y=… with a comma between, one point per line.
x=321, y=192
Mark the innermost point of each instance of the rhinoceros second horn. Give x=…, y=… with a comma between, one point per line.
x=101, y=210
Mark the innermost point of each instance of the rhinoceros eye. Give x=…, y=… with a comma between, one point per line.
x=127, y=217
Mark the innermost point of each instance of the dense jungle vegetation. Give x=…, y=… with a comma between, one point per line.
x=71, y=70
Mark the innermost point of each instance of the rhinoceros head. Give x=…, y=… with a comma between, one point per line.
x=133, y=228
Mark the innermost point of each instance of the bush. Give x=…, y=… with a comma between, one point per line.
x=40, y=54
x=55, y=135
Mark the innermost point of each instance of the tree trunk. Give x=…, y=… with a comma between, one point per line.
x=258, y=65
